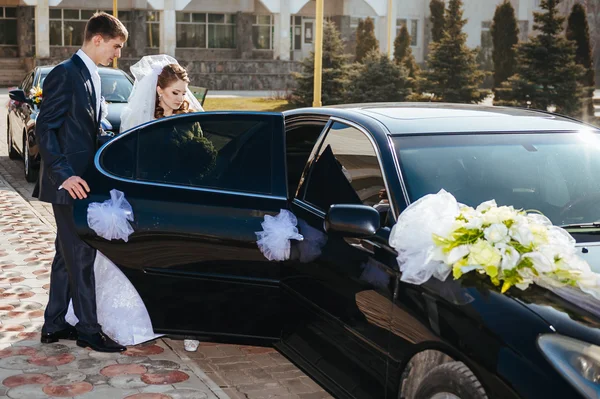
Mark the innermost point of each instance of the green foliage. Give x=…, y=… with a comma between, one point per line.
x=403, y=53
x=546, y=71
x=195, y=150
x=505, y=35
x=378, y=79
x=366, y=41
x=453, y=74
x=578, y=31
x=334, y=73
x=438, y=20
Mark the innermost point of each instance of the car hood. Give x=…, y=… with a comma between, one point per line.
x=114, y=115
x=569, y=311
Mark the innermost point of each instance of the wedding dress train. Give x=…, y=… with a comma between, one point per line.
x=120, y=309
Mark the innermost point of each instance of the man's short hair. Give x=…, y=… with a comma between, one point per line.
x=105, y=25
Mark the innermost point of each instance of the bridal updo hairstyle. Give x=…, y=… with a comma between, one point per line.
x=170, y=74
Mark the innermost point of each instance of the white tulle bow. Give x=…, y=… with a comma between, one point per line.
x=110, y=219
x=274, y=240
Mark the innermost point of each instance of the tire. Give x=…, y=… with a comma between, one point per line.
x=31, y=173
x=12, y=153
x=452, y=380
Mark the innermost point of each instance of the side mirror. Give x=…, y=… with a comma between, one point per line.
x=19, y=96
x=352, y=220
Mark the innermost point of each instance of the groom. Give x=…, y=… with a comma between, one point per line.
x=66, y=132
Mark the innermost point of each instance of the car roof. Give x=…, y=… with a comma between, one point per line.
x=101, y=70
x=423, y=118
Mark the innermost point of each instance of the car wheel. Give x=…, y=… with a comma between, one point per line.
x=452, y=380
x=31, y=173
x=12, y=153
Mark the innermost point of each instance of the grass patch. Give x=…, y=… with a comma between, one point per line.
x=245, y=104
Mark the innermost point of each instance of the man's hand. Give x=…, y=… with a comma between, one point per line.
x=77, y=187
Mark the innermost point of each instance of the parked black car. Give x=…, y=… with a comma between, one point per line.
x=337, y=308
x=22, y=112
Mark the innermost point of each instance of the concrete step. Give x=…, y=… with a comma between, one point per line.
x=12, y=72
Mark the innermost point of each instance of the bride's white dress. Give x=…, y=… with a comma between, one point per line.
x=120, y=310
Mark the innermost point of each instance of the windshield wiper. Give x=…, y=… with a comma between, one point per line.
x=581, y=225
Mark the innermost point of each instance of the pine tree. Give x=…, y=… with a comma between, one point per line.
x=378, y=79
x=546, y=72
x=403, y=53
x=365, y=38
x=578, y=31
x=438, y=20
x=453, y=73
x=334, y=73
x=505, y=35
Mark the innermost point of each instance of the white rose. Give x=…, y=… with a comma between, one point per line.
x=540, y=234
x=510, y=256
x=496, y=233
x=474, y=223
x=457, y=254
x=540, y=262
x=485, y=206
x=499, y=215
x=521, y=234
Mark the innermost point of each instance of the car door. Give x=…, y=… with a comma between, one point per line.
x=199, y=186
x=341, y=289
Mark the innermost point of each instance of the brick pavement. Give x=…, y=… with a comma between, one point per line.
x=215, y=370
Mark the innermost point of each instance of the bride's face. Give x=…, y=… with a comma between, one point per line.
x=172, y=96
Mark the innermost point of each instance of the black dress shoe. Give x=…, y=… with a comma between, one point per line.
x=99, y=342
x=66, y=333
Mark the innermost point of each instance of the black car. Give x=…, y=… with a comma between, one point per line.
x=23, y=110
x=337, y=307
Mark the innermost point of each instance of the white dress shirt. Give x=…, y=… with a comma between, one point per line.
x=93, y=68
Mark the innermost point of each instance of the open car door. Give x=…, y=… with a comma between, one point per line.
x=200, y=185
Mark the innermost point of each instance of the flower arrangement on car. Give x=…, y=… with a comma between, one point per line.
x=437, y=236
x=36, y=94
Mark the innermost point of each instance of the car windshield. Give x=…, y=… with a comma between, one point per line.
x=115, y=87
x=557, y=174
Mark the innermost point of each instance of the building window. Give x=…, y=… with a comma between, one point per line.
x=296, y=32
x=8, y=26
x=413, y=29
x=262, y=32
x=153, y=25
x=67, y=26
x=201, y=30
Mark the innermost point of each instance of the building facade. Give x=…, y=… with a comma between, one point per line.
x=229, y=44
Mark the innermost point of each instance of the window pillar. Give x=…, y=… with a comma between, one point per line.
x=282, y=32
x=168, y=29
x=42, y=29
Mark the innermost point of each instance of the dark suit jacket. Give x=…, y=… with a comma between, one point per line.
x=66, y=129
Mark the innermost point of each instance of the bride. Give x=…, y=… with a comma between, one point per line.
x=160, y=90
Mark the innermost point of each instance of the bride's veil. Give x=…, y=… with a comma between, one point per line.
x=142, y=100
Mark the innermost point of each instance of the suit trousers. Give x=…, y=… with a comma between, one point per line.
x=72, y=277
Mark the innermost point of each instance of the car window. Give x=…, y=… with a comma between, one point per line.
x=115, y=88
x=229, y=152
x=27, y=83
x=300, y=140
x=346, y=171
x=553, y=173
x=41, y=79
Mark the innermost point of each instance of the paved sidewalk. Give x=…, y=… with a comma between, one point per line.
x=27, y=234
x=29, y=369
